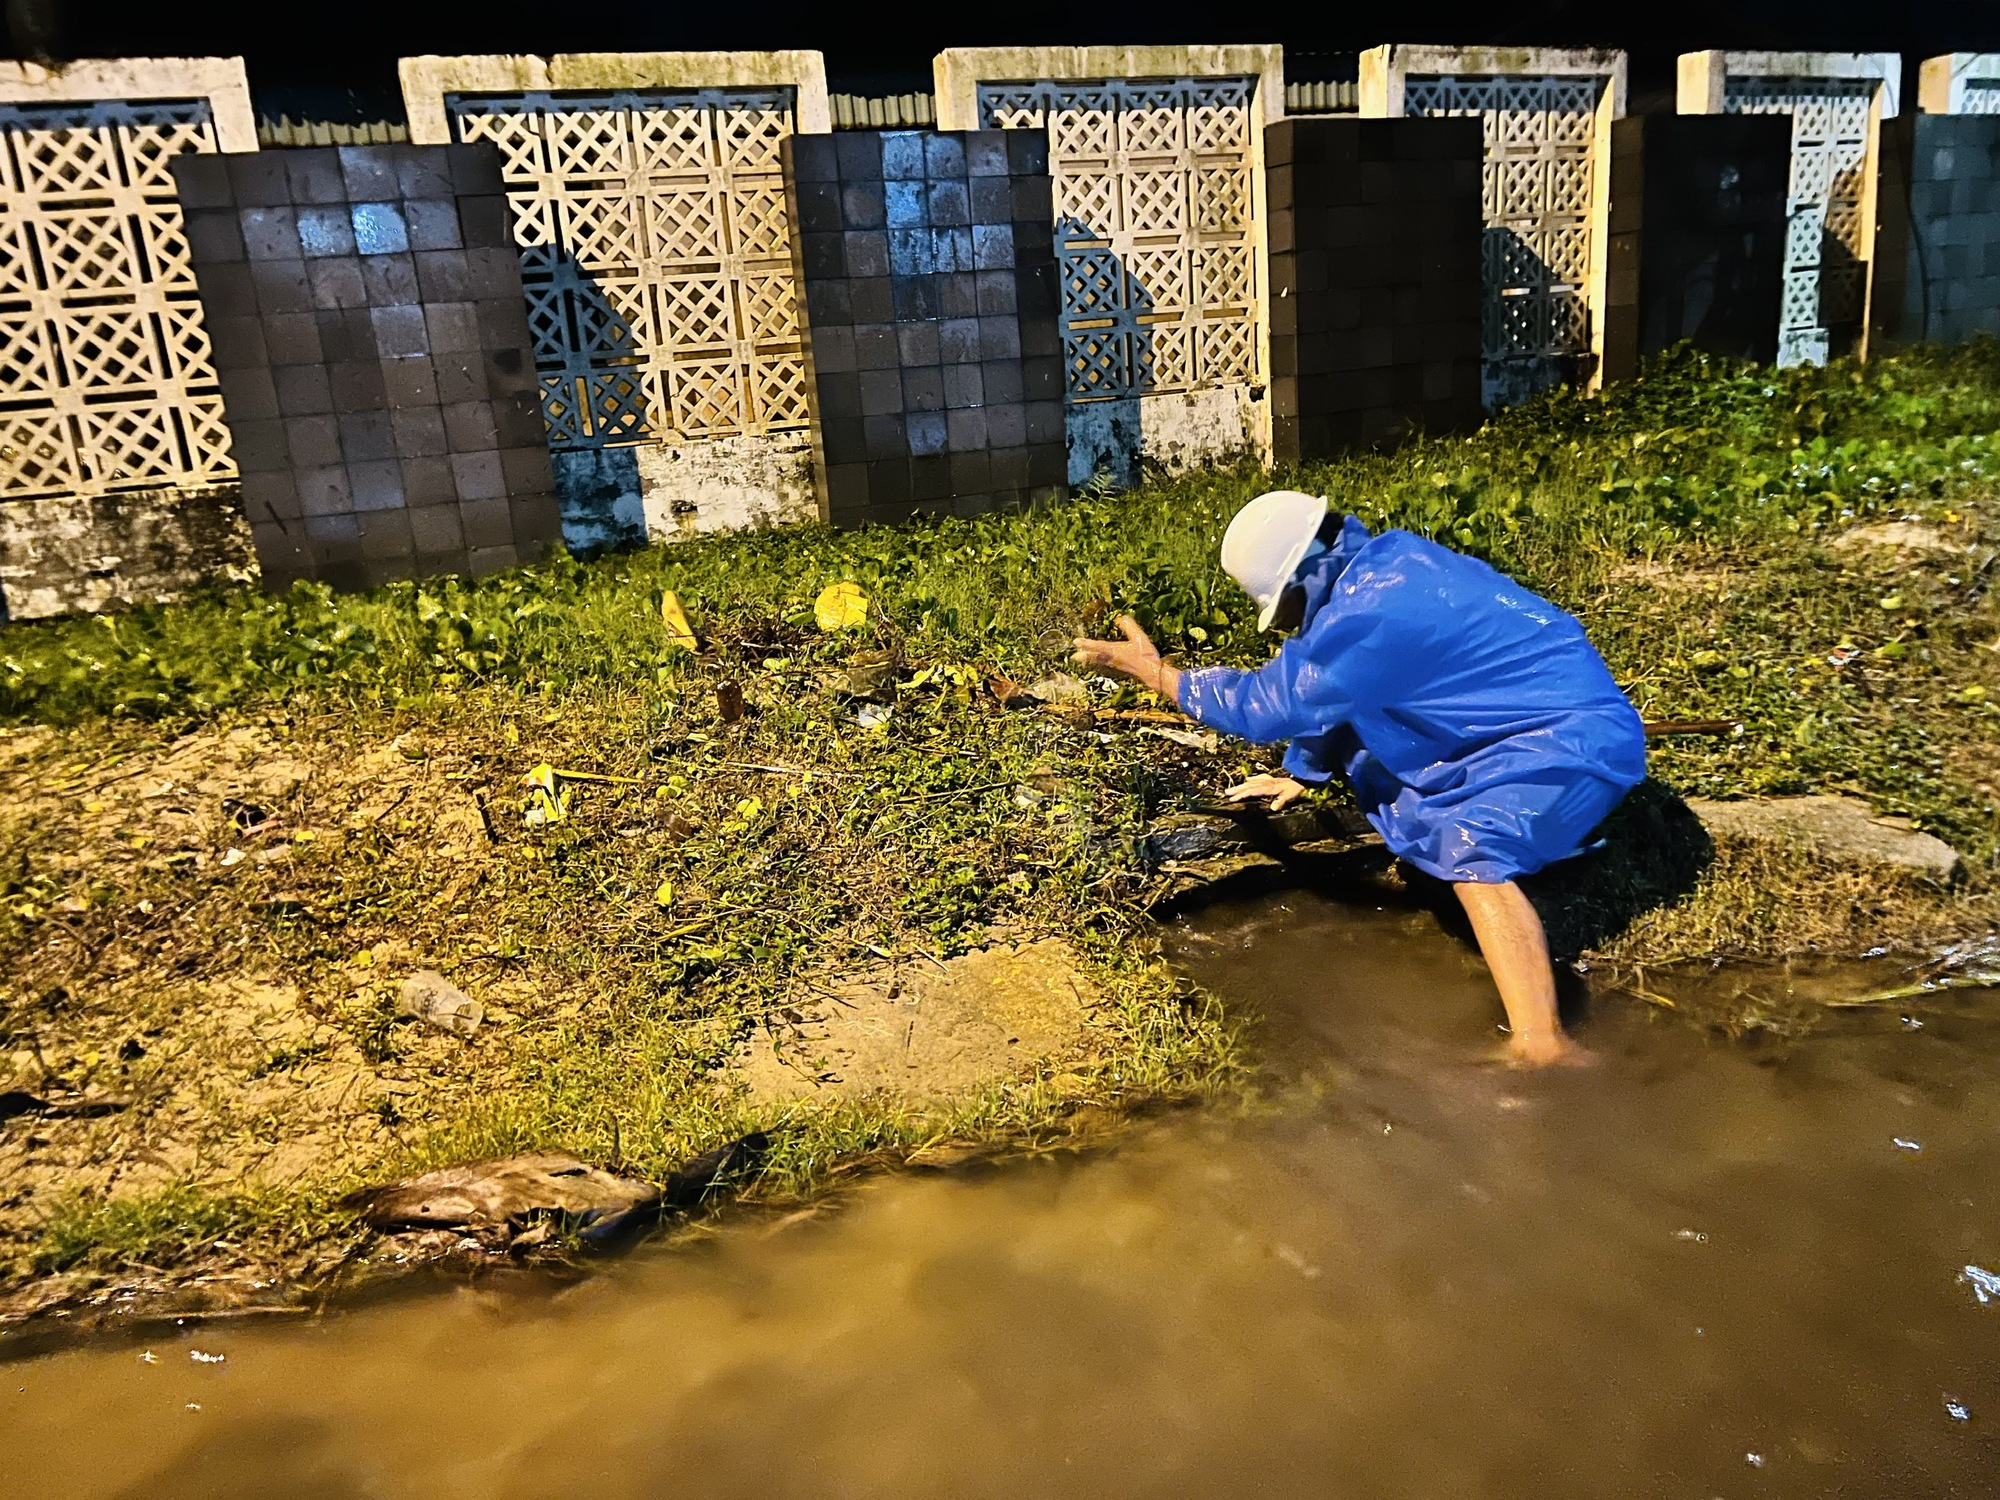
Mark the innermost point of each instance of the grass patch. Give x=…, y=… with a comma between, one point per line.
x=147, y=1231
x=623, y=947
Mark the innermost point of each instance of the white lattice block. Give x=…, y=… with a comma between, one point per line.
x=656, y=257
x=1156, y=224
x=106, y=354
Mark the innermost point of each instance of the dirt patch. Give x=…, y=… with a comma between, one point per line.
x=159, y=896
x=926, y=1032
x=1910, y=539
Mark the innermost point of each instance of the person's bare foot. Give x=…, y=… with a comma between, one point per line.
x=1551, y=1050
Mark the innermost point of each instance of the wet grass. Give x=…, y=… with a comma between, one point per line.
x=1686, y=519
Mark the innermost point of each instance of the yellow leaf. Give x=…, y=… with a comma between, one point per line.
x=664, y=896
x=749, y=807
x=840, y=606
x=679, y=632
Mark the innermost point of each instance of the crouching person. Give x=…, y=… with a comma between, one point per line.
x=1480, y=730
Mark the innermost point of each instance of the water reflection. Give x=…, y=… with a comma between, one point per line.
x=1399, y=1274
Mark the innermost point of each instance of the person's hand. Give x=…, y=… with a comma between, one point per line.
x=1136, y=657
x=1282, y=790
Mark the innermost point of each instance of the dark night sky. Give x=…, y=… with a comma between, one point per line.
x=353, y=45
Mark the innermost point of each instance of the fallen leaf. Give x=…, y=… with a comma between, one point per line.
x=679, y=632
x=664, y=896
x=840, y=606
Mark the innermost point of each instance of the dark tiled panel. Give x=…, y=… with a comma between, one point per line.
x=1953, y=276
x=1375, y=234
x=1697, y=243
x=929, y=278
x=372, y=346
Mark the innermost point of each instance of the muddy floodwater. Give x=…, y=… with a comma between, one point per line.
x=1700, y=1268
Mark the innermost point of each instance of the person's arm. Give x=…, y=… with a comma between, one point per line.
x=1290, y=695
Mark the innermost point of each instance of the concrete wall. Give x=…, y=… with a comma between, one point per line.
x=1375, y=275
x=1698, y=226
x=929, y=271
x=1156, y=156
x=665, y=421
x=1547, y=116
x=117, y=481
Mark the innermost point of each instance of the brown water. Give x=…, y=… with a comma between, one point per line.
x=1410, y=1275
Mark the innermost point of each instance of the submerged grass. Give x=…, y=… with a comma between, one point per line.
x=1686, y=518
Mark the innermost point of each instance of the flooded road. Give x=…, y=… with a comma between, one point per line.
x=1696, y=1269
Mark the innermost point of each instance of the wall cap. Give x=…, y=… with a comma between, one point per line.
x=220, y=80
x=958, y=71
x=1383, y=70
x=1586, y=62
x=1704, y=75
x=427, y=80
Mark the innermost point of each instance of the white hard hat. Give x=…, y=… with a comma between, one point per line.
x=1266, y=542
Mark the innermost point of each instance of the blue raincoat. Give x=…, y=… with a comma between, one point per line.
x=1480, y=729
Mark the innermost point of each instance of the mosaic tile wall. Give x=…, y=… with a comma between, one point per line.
x=1699, y=225
x=1952, y=291
x=1375, y=280
x=928, y=263
x=372, y=342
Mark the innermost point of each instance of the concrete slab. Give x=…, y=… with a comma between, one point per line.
x=1835, y=828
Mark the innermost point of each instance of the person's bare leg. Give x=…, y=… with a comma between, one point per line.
x=1517, y=951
